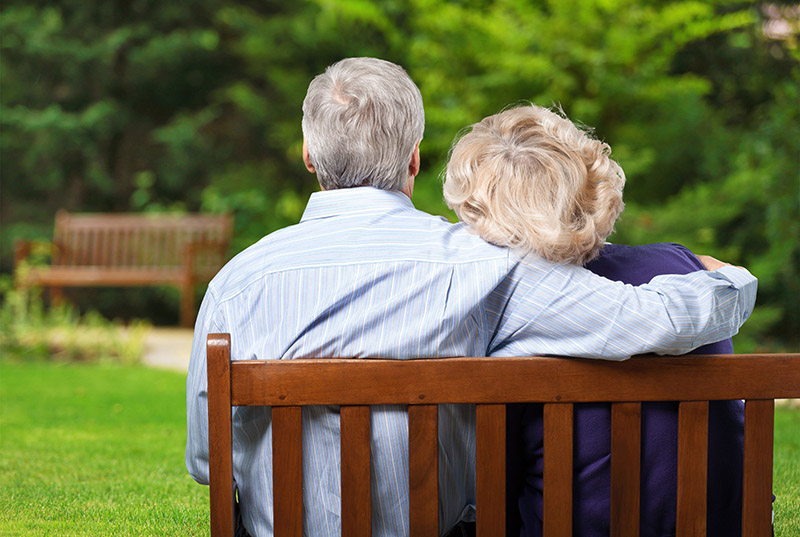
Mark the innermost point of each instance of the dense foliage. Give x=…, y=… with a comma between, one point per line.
x=186, y=106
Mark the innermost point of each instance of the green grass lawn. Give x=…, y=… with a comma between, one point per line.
x=786, y=477
x=95, y=450
x=98, y=450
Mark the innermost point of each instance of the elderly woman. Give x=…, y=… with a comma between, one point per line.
x=529, y=179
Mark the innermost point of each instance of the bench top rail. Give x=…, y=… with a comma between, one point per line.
x=141, y=241
x=515, y=380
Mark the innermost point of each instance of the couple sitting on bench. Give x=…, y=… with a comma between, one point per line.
x=365, y=274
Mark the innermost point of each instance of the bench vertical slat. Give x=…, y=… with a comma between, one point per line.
x=69, y=249
x=185, y=240
x=150, y=237
x=423, y=470
x=123, y=243
x=148, y=240
x=287, y=471
x=219, y=431
x=692, y=468
x=149, y=247
x=166, y=250
x=109, y=235
x=79, y=253
x=59, y=236
x=759, y=418
x=113, y=246
x=174, y=249
x=202, y=235
x=162, y=246
x=95, y=257
x=557, y=516
x=490, y=454
x=356, y=465
x=105, y=247
x=66, y=250
x=626, y=427
x=145, y=250
x=134, y=254
x=88, y=245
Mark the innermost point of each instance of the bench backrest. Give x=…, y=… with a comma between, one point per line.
x=287, y=385
x=137, y=241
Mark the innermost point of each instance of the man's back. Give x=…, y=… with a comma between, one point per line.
x=363, y=275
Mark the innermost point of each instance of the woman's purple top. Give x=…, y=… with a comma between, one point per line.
x=592, y=437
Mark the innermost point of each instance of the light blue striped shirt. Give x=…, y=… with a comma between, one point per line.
x=364, y=274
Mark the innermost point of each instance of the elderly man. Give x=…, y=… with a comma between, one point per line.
x=365, y=274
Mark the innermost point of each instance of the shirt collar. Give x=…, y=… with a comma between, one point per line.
x=362, y=199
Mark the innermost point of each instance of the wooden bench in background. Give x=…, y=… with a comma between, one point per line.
x=287, y=385
x=132, y=250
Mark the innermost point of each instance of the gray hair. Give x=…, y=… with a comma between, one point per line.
x=362, y=119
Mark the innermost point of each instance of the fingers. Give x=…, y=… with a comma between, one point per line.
x=711, y=263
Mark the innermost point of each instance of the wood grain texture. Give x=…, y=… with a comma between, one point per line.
x=488, y=380
x=356, y=465
x=220, y=460
x=692, y=469
x=759, y=421
x=557, y=516
x=287, y=471
x=490, y=455
x=626, y=449
x=423, y=470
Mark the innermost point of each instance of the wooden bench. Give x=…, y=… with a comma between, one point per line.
x=287, y=385
x=131, y=250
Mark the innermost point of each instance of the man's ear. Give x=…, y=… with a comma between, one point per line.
x=413, y=170
x=306, y=159
x=413, y=166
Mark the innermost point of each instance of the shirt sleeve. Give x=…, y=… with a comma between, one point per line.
x=565, y=310
x=197, y=394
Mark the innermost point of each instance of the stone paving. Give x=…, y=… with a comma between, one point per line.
x=168, y=348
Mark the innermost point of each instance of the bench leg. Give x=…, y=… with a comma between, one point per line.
x=56, y=296
x=187, y=304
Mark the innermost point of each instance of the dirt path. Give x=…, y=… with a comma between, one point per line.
x=168, y=348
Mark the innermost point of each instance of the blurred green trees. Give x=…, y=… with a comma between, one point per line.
x=143, y=106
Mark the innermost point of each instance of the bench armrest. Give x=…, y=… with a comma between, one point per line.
x=22, y=250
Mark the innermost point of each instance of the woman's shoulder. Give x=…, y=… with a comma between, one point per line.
x=639, y=264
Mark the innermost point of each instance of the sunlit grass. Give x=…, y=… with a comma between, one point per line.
x=97, y=449
x=786, y=478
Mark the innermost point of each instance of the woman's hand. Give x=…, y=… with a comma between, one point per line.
x=713, y=264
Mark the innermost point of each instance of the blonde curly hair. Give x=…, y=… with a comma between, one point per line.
x=529, y=179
